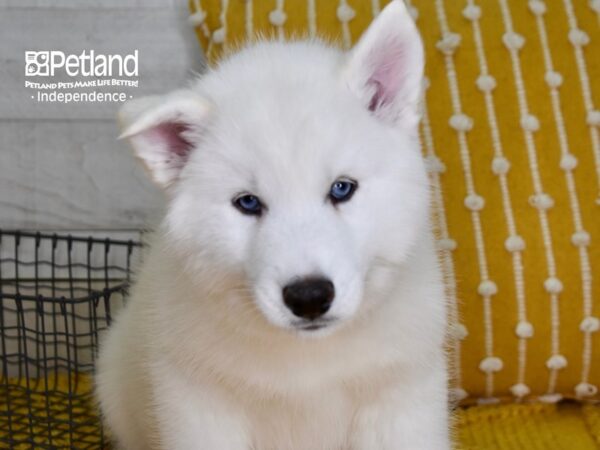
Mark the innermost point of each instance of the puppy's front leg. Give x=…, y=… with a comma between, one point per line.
x=410, y=416
x=193, y=416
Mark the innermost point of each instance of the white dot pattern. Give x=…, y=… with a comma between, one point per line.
x=462, y=124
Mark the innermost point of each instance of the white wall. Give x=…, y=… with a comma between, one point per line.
x=61, y=166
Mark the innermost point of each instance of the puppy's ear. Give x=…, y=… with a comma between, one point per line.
x=385, y=68
x=163, y=130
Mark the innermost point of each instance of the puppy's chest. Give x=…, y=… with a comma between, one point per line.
x=318, y=421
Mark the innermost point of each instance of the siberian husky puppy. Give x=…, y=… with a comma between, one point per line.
x=291, y=299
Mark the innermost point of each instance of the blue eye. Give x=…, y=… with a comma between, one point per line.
x=248, y=204
x=342, y=190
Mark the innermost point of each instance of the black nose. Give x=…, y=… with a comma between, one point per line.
x=309, y=298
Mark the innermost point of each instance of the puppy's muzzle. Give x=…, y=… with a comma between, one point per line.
x=309, y=298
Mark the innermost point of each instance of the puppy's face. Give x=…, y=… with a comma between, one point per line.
x=297, y=169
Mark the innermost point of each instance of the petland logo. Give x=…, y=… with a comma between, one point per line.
x=87, y=64
x=91, y=77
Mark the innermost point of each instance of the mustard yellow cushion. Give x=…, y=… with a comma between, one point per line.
x=528, y=427
x=511, y=133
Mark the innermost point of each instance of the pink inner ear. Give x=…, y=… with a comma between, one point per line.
x=170, y=135
x=378, y=98
x=387, y=77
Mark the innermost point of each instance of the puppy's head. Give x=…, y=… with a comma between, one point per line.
x=296, y=168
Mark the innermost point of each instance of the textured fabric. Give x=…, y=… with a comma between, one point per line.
x=60, y=406
x=511, y=133
x=531, y=427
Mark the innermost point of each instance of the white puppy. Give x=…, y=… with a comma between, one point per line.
x=291, y=299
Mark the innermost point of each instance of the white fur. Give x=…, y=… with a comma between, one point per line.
x=206, y=355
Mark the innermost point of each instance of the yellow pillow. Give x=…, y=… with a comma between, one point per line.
x=511, y=133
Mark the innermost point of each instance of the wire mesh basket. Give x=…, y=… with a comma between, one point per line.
x=57, y=295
